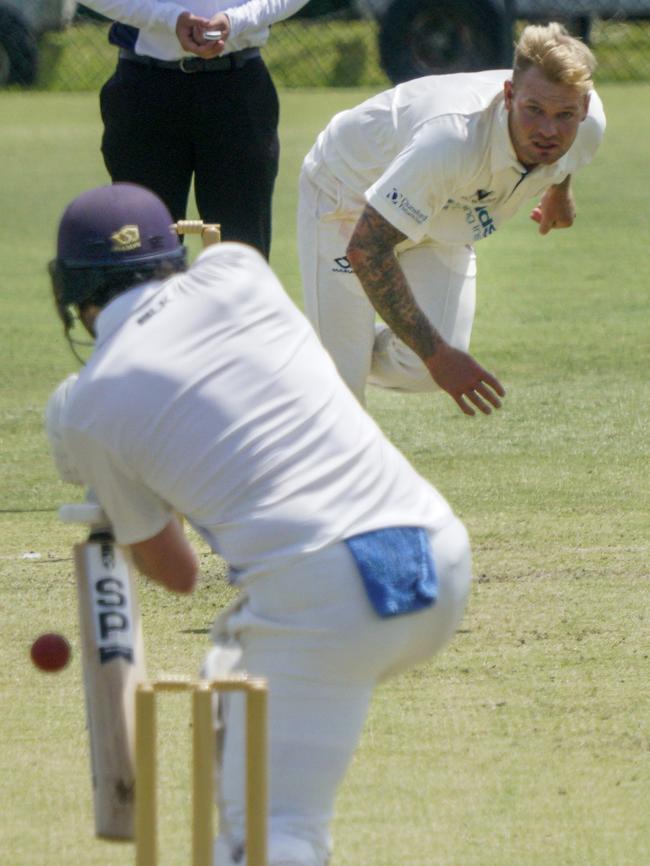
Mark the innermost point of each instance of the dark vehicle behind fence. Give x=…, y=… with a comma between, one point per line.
x=415, y=37
x=423, y=37
x=21, y=23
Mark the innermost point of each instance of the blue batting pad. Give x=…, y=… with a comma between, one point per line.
x=397, y=569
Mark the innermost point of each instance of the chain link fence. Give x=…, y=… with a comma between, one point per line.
x=345, y=43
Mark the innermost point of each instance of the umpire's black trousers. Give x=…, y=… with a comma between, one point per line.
x=164, y=126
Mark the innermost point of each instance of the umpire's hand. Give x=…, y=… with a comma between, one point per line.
x=190, y=29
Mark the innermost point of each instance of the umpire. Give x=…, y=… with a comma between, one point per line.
x=180, y=107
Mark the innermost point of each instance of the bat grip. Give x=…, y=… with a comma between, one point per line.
x=90, y=513
x=101, y=534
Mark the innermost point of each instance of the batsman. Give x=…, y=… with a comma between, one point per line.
x=208, y=394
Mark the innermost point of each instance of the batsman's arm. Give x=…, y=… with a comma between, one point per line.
x=371, y=252
x=168, y=558
x=54, y=413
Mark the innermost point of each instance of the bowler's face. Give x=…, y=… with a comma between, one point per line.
x=543, y=117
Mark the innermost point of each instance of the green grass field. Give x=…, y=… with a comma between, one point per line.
x=527, y=743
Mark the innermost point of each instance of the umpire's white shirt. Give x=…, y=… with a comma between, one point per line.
x=250, y=21
x=210, y=394
x=435, y=158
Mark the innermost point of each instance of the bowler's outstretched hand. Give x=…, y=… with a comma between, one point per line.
x=465, y=380
x=556, y=210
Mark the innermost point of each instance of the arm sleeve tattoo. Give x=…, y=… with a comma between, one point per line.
x=372, y=254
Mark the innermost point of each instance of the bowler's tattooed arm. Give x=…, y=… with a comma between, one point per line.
x=371, y=253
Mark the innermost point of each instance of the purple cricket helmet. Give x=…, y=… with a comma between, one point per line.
x=120, y=227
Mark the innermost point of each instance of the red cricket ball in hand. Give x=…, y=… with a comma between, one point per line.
x=50, y=652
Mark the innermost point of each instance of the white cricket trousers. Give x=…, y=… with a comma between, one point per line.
x=310, y=630
x=442, y=279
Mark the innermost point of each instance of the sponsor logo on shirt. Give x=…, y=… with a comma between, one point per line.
x=343, y=266
x=401, y=201
x=480, y=222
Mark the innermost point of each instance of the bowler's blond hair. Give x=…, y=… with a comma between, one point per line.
x=561, y=57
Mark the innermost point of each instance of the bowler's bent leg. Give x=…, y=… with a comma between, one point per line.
x=335, y=303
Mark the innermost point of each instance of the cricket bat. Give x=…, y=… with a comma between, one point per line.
x=112, y=653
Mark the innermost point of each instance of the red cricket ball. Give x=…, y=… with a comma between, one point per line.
x=50, y=652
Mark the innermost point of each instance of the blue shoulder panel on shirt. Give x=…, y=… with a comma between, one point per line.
x=397, y=569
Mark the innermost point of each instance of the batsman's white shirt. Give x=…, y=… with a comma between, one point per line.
x=434, y=157
x=210, y=394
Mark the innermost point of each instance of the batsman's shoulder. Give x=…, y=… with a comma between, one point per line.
x=229, y=250
x=229, y=259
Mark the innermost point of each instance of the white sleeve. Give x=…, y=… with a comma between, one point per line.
x=254, y=14
x=54, y=427
x=145, y=14
x=136, y=513
x=422, y=178
x=590, y=133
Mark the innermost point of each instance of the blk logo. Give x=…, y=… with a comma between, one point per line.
x=343, y=266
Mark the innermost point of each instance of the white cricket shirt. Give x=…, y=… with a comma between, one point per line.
x=210, y=394
x=156, y=20
x=434, y=157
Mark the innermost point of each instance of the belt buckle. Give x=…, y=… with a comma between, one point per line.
x=190, y=59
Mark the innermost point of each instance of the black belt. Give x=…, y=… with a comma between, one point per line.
x=194, y=64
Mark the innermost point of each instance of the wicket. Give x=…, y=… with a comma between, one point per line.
x=202, y=767
x=210, y=232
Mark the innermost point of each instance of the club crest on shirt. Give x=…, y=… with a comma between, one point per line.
x=125, y=239
x=480, y=197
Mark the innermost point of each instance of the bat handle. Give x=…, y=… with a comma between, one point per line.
x=90, y=513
